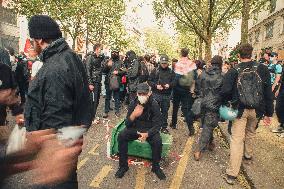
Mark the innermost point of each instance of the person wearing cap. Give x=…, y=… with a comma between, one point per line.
x=143, y=122
x=162, y=80
x=113, y=70
x=59, y=95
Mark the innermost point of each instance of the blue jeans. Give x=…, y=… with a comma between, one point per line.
x=115, y=94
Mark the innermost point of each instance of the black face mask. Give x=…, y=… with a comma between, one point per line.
x=115, y=56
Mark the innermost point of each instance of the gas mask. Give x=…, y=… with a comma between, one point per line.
x=143, y=99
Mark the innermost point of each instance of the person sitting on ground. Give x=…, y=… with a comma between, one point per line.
x=143, y=122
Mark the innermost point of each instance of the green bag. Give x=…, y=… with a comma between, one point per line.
x=137, y=148
x=187, y=79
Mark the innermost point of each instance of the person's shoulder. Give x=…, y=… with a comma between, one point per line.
x=4, y=67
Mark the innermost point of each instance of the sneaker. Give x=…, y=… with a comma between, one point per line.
x=230, y=179
x=165, y=131
x=197, y=156
x=117, y=114
x=173, y=126
x=247, y=158
x=191, y=132
x=121, y=172
x=281, y=135
x=278, y=130
x=159, y=173
x=211, y=146
x=105, y=115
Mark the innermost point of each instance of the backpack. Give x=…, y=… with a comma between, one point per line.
x=249, y=86
x=113, y=83
x=187, y=79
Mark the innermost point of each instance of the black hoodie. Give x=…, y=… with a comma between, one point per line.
x=162, y=76
x=208, y=87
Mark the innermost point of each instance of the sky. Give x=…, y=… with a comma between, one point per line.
x=145, y=18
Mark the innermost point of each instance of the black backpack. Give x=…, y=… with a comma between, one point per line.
x=250, y=87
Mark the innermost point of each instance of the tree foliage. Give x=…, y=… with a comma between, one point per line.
x=101, y=18
x=157, y=39
x=203, y=17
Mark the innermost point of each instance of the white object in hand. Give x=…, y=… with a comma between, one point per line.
x=69, y=135
x=17, y=140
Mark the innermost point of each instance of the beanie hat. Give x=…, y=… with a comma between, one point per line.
x=44, y=27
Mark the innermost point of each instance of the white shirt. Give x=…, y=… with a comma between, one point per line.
x=36, y=67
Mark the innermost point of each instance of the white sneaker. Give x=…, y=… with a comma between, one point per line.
x=278, y=130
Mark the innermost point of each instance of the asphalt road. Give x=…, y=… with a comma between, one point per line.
x=95, y=170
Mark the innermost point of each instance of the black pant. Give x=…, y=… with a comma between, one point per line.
x=164, y=102
x=3, y=114
x=186, y=101
x=280, y=107
x=210, y=122
x=131, y=134
x=117, y=102
x=96, y=98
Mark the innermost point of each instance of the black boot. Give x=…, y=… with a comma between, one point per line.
x=121, y=172
x=159, y=173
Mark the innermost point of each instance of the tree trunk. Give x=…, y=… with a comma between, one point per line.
x=245, y=20
x=208, y=52
x=200, y=49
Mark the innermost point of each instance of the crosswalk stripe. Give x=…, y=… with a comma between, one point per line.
x=176, y=182
x=140, y=178
x=93, y=151
x=100, y=176
x=81, y=163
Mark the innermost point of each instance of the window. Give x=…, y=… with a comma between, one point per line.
x=269, y=30
x=257, y=35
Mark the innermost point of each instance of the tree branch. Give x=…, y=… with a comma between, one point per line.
x=223, y=15
x=195, y=28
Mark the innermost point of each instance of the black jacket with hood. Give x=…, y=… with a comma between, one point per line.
x=162, y=76
x=208, y=88
x=94, y=68
x=59, y=95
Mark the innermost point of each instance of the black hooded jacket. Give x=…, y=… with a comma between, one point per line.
x=94, y=68
x=59, y=95
x=161, y=76
x=208, y=88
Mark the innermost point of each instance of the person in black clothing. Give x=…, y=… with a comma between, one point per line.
x=143, y=122
x=279, y=107
x=248, y=87
x=114, y=70
x=8, y=96
x=162, y=81
x=137, y=73
x=183, y=95
x=208, y=90
x=22, y=76
x=59, y=96
x=94, y=63
x=4, y=57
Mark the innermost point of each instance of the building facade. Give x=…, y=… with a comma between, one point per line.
x=266, y=28
x=9, y=29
